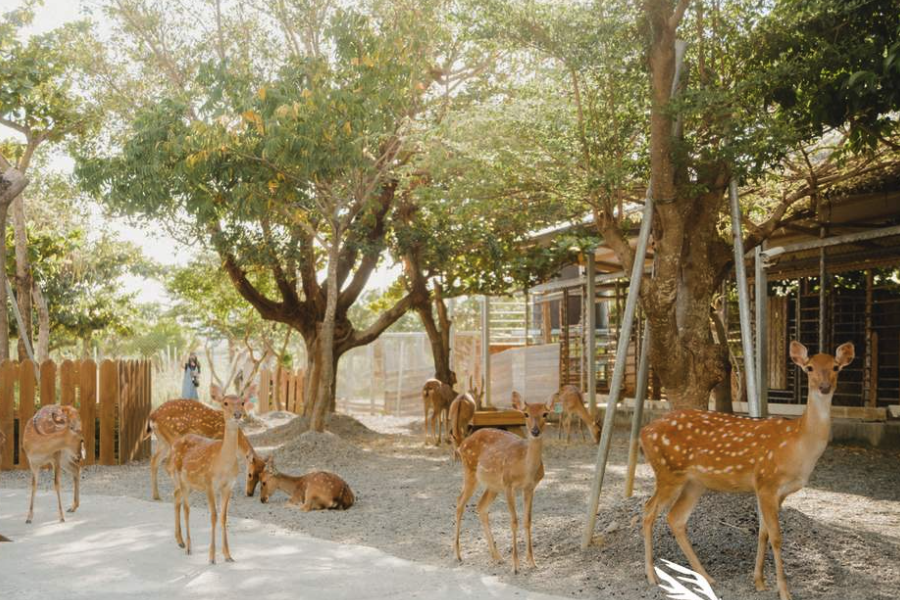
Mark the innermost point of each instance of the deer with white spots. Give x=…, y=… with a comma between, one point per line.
x=503, y=462
x=319, y=490
x=53, y=437
x=692, y=451
x=573, y=407
x=462, y=412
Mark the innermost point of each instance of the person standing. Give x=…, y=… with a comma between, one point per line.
x=191, y=381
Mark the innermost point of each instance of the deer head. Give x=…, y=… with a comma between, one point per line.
x=234, y=408
x=535, y=414
x=822, y=369
x=255, y=468
x=267, y=479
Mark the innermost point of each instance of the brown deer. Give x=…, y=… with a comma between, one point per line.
x=572, y=407
x=462, y=412
x=503, y=462
x=436, y=398
x=692, y=451
x=314, y=491
x=177, y=418
x=53, y=436
x=203, y=464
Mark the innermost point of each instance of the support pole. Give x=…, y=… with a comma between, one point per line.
x=591, y=334
x=762, y=330
x=486, y=347
x=640, y=394
x=619, y=371
x=823, y=303
x=743, y=301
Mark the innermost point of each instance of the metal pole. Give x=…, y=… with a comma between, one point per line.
x=591, y=334
x=762, y=330
x=643, y=377
x=743, y=301
x=486, y=347
x=619, y=370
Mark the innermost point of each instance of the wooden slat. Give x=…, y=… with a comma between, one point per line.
x=147, y=408
x=301, y=383
x=109, y=399
x=48, y=383
x=27, y=386
x=67, y=379
x=9, y=372
x=87, y=400
x=777, y=308
x=498, y=418
x=265, y=377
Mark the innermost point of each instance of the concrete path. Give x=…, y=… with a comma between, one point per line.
x=115, y=548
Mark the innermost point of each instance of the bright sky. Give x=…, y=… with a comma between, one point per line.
x=155, y=244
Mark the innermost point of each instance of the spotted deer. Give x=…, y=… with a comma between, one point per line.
x=199, y=463
x=436, y=399
x=462, y=412
x=53, y=437
x=318, y=490
x=504, y=463
x=692, y=451
x=573, y=407
x=177, y=418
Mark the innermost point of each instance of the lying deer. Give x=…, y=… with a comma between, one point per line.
x=203, y=464
x=462, y=412
x=53, y=436
x=436, y=398
x=314, y=491
x=572, y=407
x=177, y=418
x=503, y=462
x=692, y=451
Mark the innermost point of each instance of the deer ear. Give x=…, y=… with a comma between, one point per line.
x=249, y=392
x=517, y=401
x=799, y=354
x=215, y=393
x=845, y=354
x=553, y=400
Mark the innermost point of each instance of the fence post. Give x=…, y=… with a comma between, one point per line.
x=109, y=400
x=67, y=381
x=27, y=385
x=8, y=375
x=265, y=377
x=87, y=399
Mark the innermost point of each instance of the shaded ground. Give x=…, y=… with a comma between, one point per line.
x=842, y=533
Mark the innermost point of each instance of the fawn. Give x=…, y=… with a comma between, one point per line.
x=436, y=397
x=314, y=491
x=53, y=436
x=177, y=418
x=204, y=464
x=573, y=406
x=503, y=462
x=462, y=412
x=692, y=451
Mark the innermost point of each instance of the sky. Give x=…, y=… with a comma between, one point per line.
x=155, y=244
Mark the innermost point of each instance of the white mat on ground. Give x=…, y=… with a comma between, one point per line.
x=116, y=547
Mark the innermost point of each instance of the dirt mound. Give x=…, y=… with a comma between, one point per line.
x=343, y=426
x=313, y=450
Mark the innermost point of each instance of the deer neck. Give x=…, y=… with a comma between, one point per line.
x=230, y=446
x=815, y=424
x=533, y=455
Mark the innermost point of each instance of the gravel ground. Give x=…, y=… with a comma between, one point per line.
x=841, y=533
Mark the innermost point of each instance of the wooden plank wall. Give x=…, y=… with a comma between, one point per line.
x=281, y=389
x=120, y=408
x=533, y=371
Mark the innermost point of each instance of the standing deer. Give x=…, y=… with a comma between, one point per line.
x=53, y=436
x=572, y=407
x=462, y=411
x=177, y=418
x=203, y=464
x=436, y=397
x=503, y=462
x=314, y=491
x=692, y=451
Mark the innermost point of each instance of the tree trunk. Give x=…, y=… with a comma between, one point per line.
x=438, y=336
x=327, y=366
x=86, y=343
x=43, y=345
x=23, y=276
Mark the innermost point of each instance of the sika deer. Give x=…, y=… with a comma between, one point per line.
x=204, y=464
x=177, y=418
x=53, y=436
x=573, y=406
x=462, y=411
x=314, y=491
x=503, y=462
x=692, y=451
x=436, y=397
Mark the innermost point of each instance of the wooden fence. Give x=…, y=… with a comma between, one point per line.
x=281, y=389
x=114, y=403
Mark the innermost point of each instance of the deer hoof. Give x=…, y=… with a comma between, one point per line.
x=180, y=544
x=212, y=561
x=73, y=509
x=28, y=521
x=761, y=585
x=229, y=559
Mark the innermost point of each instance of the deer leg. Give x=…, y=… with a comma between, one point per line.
x=678, y=517
x=662, y=497
x=154, y=468
x=528, y=495
x=469, y=483
x=213, y=518
x=483, y=507
x=226, y=500
x=759, y=577
x=186, y=505
x=178, y=539
x=34, y=481
x=76, y=485
x=425, y=422
x=769, y=505
x=56, y=486
x=514, y=527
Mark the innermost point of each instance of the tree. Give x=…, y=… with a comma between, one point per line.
x=293, y=168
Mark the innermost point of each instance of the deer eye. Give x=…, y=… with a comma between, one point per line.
x=546, y=414
x=837, y=368
x=809, y=369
